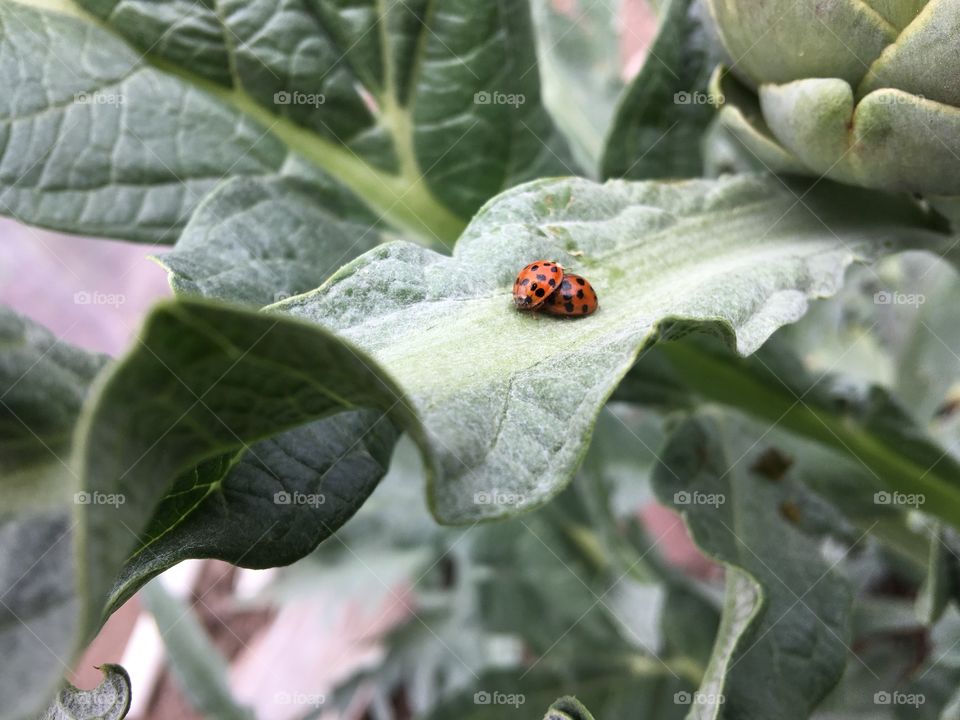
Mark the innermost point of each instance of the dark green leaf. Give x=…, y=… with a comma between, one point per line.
x=782, y=641
x=203, y=382
x=423, y=109
x=664, y=113
x=271, y=505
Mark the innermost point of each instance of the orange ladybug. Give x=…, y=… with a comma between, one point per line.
x=575, y=297
x=535, y=283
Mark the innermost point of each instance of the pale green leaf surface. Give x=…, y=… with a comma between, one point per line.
x=509, y=398
x=258, y=241
x=110, y=700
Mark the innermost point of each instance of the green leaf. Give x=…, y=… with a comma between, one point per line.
x=742, y=119
x=271, y=504
x=662, y=117
x=611, y=691
x=259, y=241
x=42, y=385
x=493, y=604
x=199, y=668
x=568, y=708
x=99, y=146
x=867, y=425
x=423, y=112
x=582, y=75
x=782, y=642
x=664, y=258
x=44, y=382
x=938, y=584
x=203, y=382
x=110, y=700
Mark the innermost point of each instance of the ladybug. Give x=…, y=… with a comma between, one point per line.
x=535, y=283
x=574, y=297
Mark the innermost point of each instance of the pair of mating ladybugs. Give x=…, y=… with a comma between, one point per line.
x=544, y=286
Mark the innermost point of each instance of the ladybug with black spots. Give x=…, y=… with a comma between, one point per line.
x=535, y=283
x=545, y=286
x=575, y=297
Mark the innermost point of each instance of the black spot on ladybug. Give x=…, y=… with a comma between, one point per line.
x=533, y=287
x=580, y=294
x=552, y=282
x=525, y=281
x=585, y=309
x=568, y=298
x=579, y=281
x=565, y=284
x=534, y=267
x=539, y=293
x=569, y=307
x=542, y=278
x=555, y=269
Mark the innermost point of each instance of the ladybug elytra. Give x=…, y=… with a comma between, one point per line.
x=535, y=283
x=545, y=286
x=575, y=296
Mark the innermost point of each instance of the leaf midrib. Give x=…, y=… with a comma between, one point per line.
x=404, y=199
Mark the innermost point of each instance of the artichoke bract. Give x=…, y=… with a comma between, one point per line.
x=866, y=92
